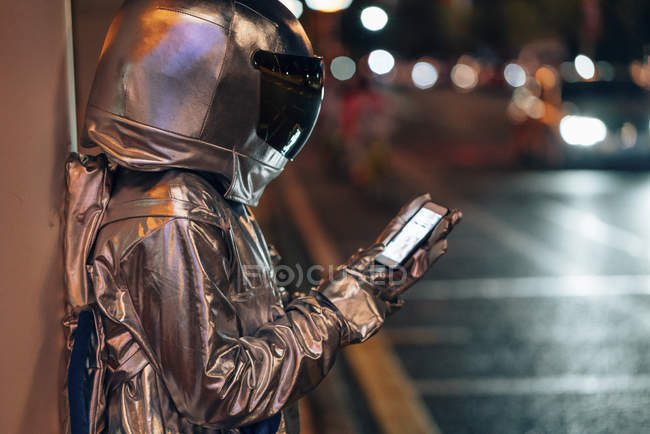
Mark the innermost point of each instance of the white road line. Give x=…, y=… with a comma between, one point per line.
x=591, y=227
x=559, y=385
x=538, y=252
x=531, y=287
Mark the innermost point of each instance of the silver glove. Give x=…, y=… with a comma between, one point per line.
x=366, y=292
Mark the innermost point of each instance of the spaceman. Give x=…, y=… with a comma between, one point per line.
x=196, y=106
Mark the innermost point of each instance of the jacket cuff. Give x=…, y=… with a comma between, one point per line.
x=362, y=308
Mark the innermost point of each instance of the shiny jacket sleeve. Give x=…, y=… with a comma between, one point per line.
x=170, y=287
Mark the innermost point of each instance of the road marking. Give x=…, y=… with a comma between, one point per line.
x=374, y=364
x=544, y=256
x=538, y=252
x=559, y=385
x=591, y=227
x=428, y=336
x=531, y=287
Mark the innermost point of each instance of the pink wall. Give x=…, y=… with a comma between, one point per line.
x=33, y=145
x=91, y=19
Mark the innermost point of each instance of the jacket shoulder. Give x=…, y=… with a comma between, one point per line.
x=179, y=185
x=143, y=202
x=173, y=193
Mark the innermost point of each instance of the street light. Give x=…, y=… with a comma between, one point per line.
x=374, y=18
x=424, y=75
x=343, y=68
x=464, y=76
x=328, y=5
x=584, y=67
x=381, y=62
x=515, y=75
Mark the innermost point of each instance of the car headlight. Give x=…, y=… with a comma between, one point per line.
x=582, y=130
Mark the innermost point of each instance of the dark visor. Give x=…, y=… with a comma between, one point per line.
x=291, y=96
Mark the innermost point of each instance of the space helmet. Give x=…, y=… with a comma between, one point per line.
x=220, y=86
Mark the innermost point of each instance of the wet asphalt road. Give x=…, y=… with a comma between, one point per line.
x=538, y=319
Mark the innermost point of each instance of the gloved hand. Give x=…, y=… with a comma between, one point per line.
x=394, y=282
x=365, y=292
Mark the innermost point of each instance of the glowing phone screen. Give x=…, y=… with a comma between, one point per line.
x=410, y=236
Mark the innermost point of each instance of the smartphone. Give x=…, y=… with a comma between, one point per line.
x=412, y=235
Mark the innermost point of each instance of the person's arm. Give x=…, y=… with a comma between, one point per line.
x=169, y=290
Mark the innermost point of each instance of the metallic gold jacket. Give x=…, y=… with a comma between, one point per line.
x=196, y=336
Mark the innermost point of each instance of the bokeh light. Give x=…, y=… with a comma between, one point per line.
x=374, y=18
x=381, y=62
x=582, y=130
x=585, y=67
x=640, y=73
x=295, y=6
x=424, y=75
x=546, y=77
x=328, y=5
x=629, y=135
x=528, y=103
x=464, y=76
x=515, y=75
x=343, y=68
x=536, y=108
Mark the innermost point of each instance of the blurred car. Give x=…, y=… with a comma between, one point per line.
x=592, y=124
x=605, y=122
